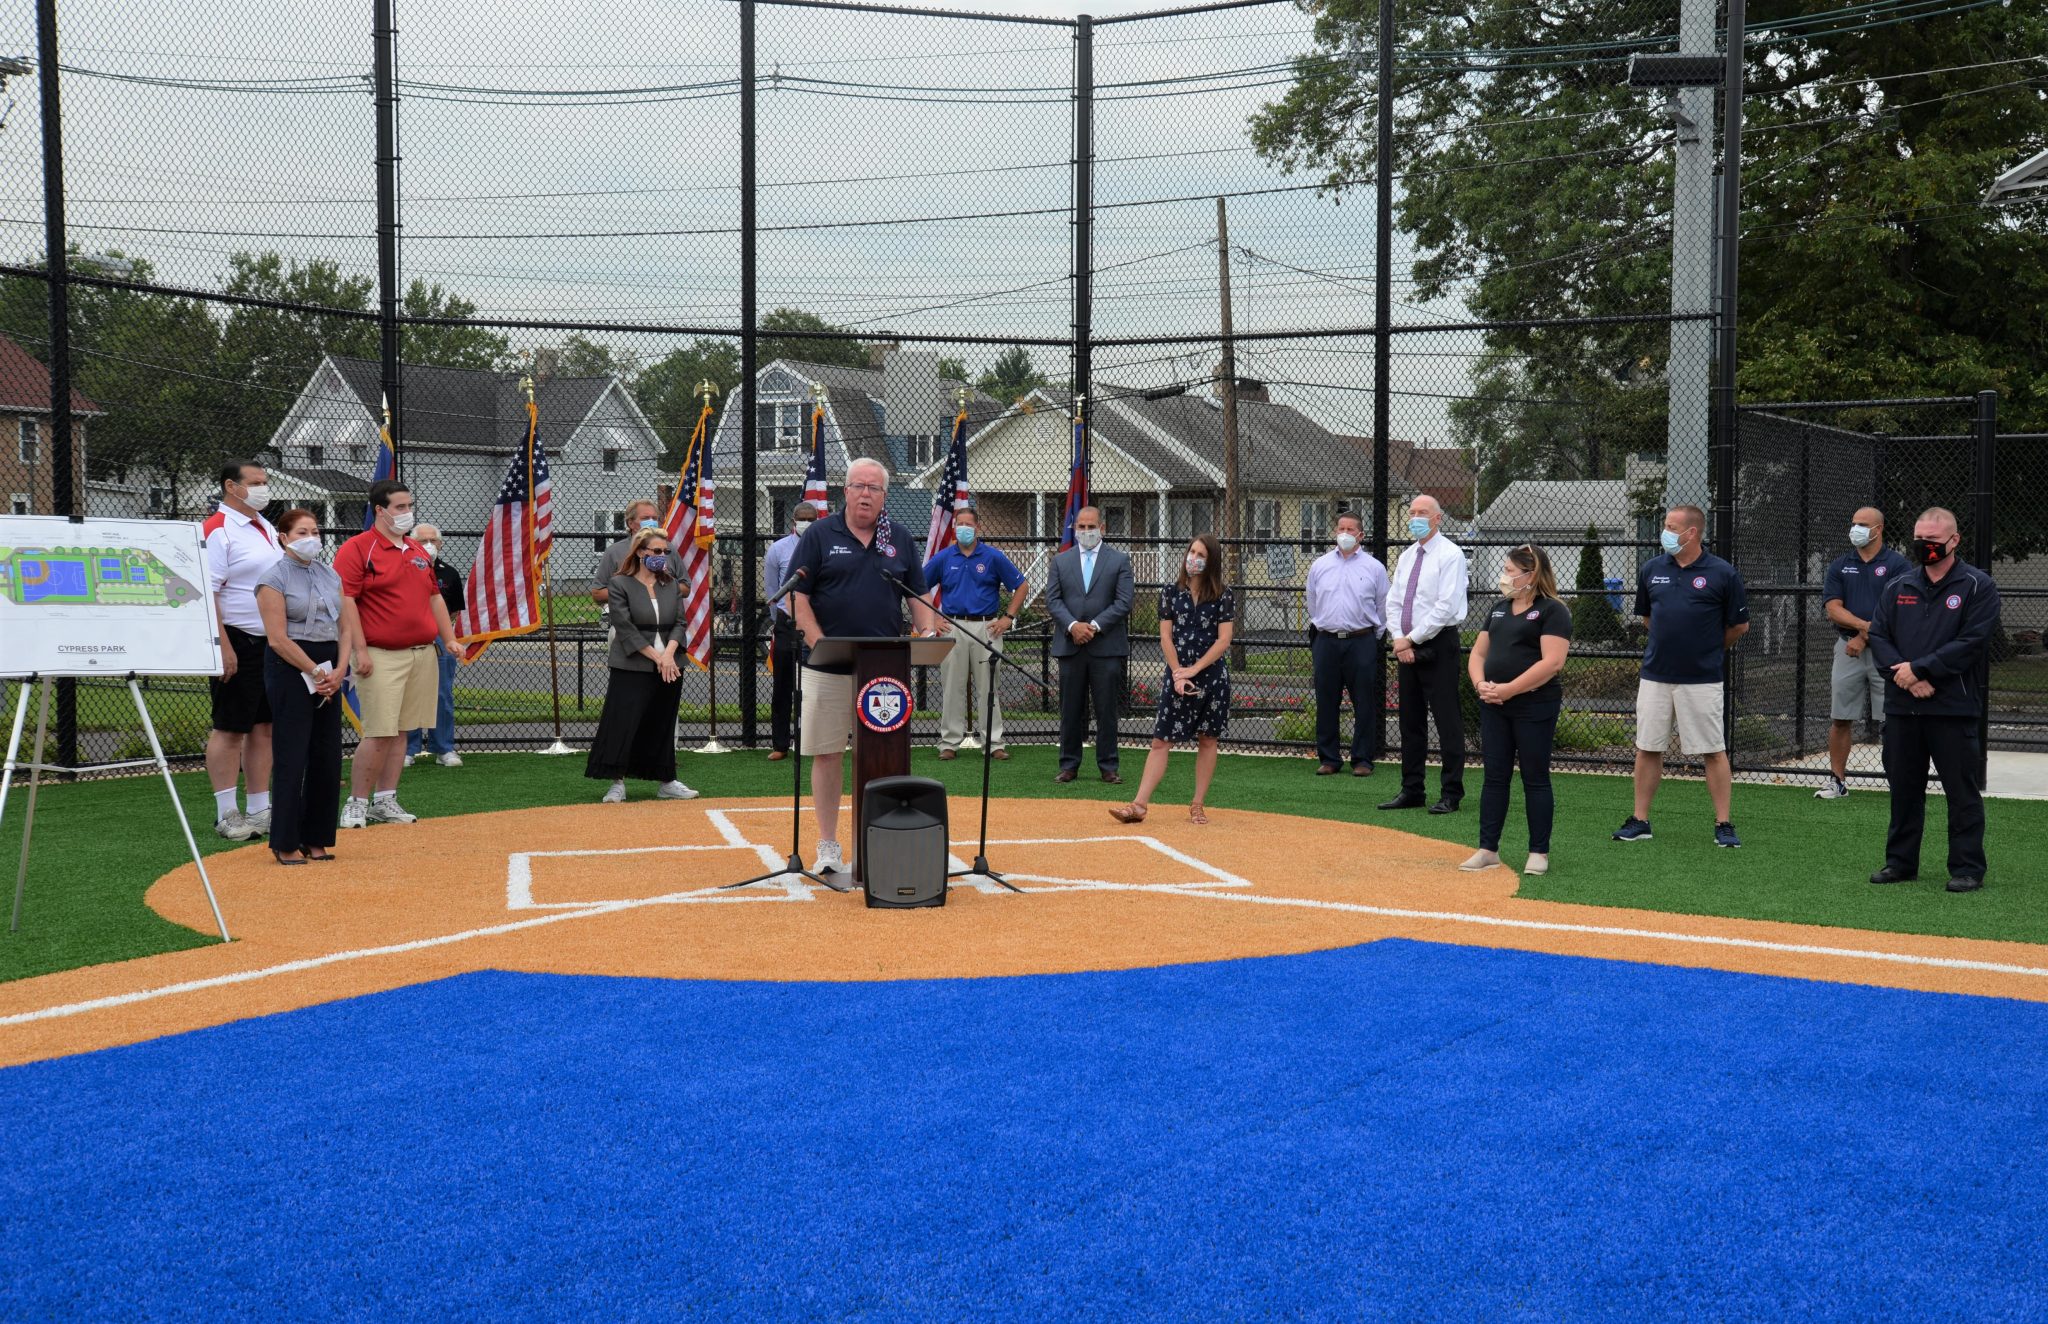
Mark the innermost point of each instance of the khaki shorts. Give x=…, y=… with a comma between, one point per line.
x=1690, y=712
x=1858, y=686
x=828, y=713
x=399, y=693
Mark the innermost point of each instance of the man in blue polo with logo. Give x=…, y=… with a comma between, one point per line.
x=1931, y=636
x=1695, y=607
x=970, y=578
x=847, y=561
x=1849, y=593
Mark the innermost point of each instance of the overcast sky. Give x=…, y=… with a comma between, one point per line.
x=581, y=162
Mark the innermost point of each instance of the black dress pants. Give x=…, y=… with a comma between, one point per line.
x=1345, y=666
x=1429, y=688
x=782, y=650
x=1089, y=682
x=1520, y=731
x=305, y=753
x=1950, y=743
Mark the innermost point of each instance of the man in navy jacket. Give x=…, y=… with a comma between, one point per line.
x=1932, y=636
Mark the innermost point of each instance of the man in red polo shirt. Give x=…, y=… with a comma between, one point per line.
x=389, y=594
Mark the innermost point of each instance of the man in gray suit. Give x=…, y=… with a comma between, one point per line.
x=1089, y=592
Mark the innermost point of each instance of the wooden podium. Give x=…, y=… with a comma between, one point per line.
x=884, y=699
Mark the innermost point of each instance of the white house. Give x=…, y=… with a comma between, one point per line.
x=1555, y=514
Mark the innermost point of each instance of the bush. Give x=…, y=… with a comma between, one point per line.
x=1594, y=620
x=1586, y=733
x=1298, y=725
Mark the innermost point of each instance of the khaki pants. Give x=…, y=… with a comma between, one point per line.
x=966, y=657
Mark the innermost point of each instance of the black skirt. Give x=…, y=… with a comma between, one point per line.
x=636, y=735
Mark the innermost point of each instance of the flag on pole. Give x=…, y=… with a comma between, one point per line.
x=690, y=535
x=352, y=705
x=814, y=476
x=511, y=560
x=387, y=463
x=953, y=494
x=1077, y=484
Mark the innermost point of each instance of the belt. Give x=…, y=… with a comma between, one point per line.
x=969, y=616
x=1344, y=634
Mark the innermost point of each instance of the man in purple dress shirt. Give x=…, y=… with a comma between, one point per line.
x=1347, y=613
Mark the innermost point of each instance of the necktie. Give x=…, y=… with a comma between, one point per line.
x=1408, y=598
x=1087, y=571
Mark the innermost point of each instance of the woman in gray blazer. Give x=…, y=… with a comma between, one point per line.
x=636, y=735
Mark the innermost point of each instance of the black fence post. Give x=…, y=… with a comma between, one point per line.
x=1983, y=547
x=385, y=35
x=56, y=241
x=1799, y=597
x=1084, y=206
x=750, y=367
x=1383, y=332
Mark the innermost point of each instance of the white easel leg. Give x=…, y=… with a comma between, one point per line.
x=28, y=823
x=164, y=766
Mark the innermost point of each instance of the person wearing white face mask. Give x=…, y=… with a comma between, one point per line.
x=1849, y=593
x=240, y=545
x=303, y=670
x=438, y=741
x=1428, y=605
x=1197, y=617
x=1516, y=660
x=1089, y=590
x=1347, y=614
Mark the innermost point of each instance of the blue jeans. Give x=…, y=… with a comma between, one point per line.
x=440, y=740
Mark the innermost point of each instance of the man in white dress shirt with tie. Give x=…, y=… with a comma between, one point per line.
x=1347, y=611
x=1428, y=607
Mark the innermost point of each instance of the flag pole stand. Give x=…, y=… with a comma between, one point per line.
x=712, y=745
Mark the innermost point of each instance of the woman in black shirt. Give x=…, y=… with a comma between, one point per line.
x=1514, y=666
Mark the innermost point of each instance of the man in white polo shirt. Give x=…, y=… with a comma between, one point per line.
x=240, y=547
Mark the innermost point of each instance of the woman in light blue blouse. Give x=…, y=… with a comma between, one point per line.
x=303, y=670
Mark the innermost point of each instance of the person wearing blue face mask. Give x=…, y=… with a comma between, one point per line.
x=636, y=733
x=971, y=577
x=1427, y=607
x=1849, y=593
x=1696, y=607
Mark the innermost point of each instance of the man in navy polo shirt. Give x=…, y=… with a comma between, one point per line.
x=1695, y=607
x=847, y=561
x=1849, y=594
x=970, y=577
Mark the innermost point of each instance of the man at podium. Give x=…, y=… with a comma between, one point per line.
x=847, y=567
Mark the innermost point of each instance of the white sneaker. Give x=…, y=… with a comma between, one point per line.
x=450, y=760
x=675, y=791
x=616, y=795
x=829, y=858
x=235, y=827
x=260, y=820
x=354, y=814
x=1835, y=789
x=390, y=811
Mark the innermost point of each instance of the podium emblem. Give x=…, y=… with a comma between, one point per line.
x=883, y=705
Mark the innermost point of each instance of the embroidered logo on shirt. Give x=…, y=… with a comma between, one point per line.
x=1955, y=600
x=1909, y=599
x=1699, y=581
x=1879, y=571
x=1534, y=615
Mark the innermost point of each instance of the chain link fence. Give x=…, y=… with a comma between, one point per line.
x=1191, y=227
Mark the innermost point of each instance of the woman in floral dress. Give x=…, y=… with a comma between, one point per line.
x=1196, y=617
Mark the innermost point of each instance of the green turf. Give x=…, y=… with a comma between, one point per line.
x=98, y=845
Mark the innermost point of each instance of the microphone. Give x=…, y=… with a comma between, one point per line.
x=789, y=585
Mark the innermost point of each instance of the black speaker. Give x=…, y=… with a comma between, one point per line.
x=903, y=842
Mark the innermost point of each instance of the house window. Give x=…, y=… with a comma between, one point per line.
x=922, y=450
x=778, y=426
x=159, y=500
x=316, y=456
x=1265, y=518
x=611, y=460
x=358, y=454
x=1186, y=517
x=20, y=504
x=30, y=444
x=1116, y=517
x=1315, y=523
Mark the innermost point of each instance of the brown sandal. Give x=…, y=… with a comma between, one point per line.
x=1130, y=813
x=1195, y=814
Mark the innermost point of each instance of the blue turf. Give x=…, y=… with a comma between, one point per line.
x=1401, y=1129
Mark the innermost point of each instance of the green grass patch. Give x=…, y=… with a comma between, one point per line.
x=100, y=844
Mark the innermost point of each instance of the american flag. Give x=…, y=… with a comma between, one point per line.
x=1077, y=484
x=511, y=561
x=690, y=533
x=814, y=476
x=953, y=494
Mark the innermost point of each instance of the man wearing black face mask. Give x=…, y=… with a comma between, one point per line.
x=1932, y=636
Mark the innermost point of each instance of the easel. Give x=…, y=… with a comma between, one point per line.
x=36, y=767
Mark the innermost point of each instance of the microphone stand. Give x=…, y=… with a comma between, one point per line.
x=794, y=868
x=980, y=868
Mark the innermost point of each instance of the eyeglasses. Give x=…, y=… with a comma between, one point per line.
x=865, y=487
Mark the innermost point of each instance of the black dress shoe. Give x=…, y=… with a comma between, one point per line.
x=1361, y=769
x=1960, y=884
x=1404, y=802
x=1891, y=875
x=1326, y=769
x=1444, y=806
x=1112, y=778
x=1064, y=775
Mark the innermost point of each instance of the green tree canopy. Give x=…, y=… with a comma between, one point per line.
x=667, y=390
x=1012, y=376
x=782, y=338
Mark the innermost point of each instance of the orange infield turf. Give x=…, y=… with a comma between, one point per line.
x=630, y=890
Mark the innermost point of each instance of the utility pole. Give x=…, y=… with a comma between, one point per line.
x=384, y=76
x=1226, y=374
x=1689, y=375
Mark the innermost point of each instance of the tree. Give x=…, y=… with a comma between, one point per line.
x=581, y=356
x=1594, y=620
x=952, y=369
x=271, y=352
x=667, y=390
x=445, y=346
x=782, y=337
x=1012, y=376
x=1538, y=186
